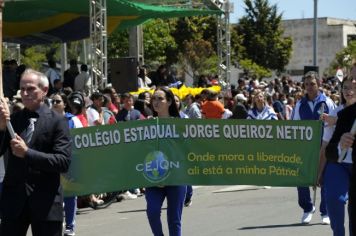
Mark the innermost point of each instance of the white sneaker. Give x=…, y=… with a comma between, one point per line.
x=307, y=216
x=325, y=220
x=128, y=196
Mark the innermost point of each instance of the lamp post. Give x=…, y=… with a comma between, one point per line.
x=315, y=33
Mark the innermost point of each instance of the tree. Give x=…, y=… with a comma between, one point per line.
x=343, y=59
x=157, y=39
x=118, y=44
x=196, y=44
x=261, y=36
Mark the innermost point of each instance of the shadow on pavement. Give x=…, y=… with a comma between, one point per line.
x=139, y=210
x=276, y=226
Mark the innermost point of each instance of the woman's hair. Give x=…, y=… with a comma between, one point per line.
x=255, y=94
x=143, y=95
x=191, y=97
x=180, y=102
x=172, y=110
x=76, y=100
x=141, y=106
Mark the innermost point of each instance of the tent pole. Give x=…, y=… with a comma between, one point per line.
x=63, y=58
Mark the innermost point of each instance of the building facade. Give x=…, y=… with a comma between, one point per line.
x=333, y=35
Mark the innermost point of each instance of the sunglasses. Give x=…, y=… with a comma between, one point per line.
x=56, y=101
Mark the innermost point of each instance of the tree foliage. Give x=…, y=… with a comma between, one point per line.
x=32, y=57
x=260, y=36
x=200, y=56
x=118, y=44
x=157, y=39
x=343, y=59
x=196, y=44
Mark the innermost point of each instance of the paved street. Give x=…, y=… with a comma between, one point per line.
x=216, y=210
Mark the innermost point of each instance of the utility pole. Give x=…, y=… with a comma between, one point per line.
x=315, y=34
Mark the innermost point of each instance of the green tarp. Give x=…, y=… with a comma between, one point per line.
x=46, y=21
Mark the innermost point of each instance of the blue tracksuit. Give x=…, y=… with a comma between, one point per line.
x=306, y=109
x=175, y=199
x=336, y=183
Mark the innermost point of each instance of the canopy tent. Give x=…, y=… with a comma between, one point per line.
x=48, y=21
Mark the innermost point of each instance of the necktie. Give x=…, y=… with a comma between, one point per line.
x=27, y=136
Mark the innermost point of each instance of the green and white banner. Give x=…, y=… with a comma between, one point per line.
x=196, y=152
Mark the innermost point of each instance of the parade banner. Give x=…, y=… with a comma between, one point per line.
x=158, y=152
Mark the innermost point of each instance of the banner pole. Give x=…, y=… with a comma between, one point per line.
x=8, y=123
x=1, y=13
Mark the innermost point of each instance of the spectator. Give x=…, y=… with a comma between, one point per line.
x=239, y=110
x=115, y=99
x=260, y=110
x=212, y=108
x=52, y=75
x=143, y=80
x=70, y=74
x=128, y=112
x=82, y=81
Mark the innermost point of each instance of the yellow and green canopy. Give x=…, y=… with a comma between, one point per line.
x=47, y=21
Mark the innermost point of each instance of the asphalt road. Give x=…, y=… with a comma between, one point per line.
x=216, y=210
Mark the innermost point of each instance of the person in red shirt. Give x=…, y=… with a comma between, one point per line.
x=212, y=108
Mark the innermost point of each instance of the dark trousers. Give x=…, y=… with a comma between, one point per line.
x=305, y=201
x=19, y=226
x=39, y=228
x=175, y=198
x=352, y=202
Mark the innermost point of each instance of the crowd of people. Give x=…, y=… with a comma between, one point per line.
x=44, y=156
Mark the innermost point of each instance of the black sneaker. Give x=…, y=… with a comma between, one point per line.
x=188, y=202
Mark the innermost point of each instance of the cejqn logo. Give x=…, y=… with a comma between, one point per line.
x=156, y=166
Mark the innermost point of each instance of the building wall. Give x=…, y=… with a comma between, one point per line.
x=332, y=37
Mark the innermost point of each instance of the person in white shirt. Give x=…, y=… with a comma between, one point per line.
x=82, y=81
x=143, y=80
x=95, y=112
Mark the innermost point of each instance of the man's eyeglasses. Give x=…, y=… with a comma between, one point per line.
x=55, y=101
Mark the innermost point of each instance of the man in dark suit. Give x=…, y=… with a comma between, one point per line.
x=342, y=139
x=32, y=193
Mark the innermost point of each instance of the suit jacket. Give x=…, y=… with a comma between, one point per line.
x=32, y=184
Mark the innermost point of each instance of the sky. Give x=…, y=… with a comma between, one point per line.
x=298, y=9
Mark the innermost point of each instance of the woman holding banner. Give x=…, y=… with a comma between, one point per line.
x=165, y=107
x=336, y=176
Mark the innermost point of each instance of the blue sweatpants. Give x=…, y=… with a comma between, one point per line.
x=305, y=201
x=70, y=208
x=175, y=198
x=336, y=183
